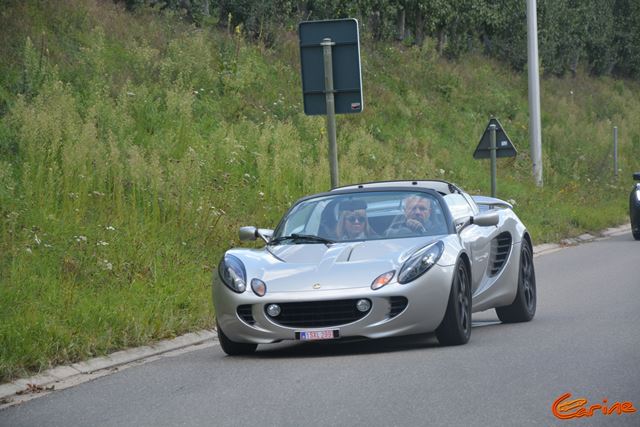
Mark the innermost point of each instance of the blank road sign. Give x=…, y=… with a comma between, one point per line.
x=504, y=146
x=347, y=81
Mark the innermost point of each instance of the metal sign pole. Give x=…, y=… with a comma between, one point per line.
x=492, y=129
x=331, y=112
x=615, y=151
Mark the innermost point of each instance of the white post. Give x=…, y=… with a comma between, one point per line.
x=534, y=92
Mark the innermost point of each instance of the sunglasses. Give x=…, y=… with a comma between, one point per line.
x=353, y=218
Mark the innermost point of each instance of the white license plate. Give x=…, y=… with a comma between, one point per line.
x=327, y=334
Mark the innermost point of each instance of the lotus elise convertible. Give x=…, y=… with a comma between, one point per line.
x=376, y=260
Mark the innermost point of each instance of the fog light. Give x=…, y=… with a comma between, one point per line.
x=363, y=305
x=273, y=310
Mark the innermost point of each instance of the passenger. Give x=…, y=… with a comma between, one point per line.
x=352, y=221
x=417, y=213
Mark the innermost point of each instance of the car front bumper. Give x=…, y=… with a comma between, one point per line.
x=427, y=299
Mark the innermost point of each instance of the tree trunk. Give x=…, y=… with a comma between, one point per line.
x=612, y=64
x=376, y=25
x=400, y=24
x=419, y=28
x=441, y=40
x=573, y=67
x=303, y=13
x=486, y=41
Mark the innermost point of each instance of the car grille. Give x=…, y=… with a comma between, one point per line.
x=318, y=314
x=244, y=312
x=398, y=304
x=500, y=247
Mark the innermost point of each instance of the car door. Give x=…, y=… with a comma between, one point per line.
x=476, y=240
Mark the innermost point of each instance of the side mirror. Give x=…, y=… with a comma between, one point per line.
x=487, y=219
x=250, y=233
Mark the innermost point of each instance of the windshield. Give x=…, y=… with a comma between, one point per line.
x=362, y=216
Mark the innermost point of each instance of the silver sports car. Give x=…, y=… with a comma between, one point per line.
x=376, y=260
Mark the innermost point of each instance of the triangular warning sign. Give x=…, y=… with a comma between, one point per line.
x=504, y=146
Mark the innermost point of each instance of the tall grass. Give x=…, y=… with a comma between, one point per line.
x=133, y=146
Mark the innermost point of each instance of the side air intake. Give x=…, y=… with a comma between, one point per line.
x=500, y=248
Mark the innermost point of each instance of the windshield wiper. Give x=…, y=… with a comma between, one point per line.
x=296, y=238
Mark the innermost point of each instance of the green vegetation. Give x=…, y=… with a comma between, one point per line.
x=601, y=36
x=133, y=145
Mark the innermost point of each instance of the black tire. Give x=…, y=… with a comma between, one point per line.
x=523, y=307
x=455, y=328
x=634, y=211
x=233, y=348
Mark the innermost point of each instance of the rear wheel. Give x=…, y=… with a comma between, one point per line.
x=523, y=307
x=455, y=328
x=233, y=348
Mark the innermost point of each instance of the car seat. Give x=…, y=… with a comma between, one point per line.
x=329, y=221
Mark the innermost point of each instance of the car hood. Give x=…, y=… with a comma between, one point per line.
x=303, y=267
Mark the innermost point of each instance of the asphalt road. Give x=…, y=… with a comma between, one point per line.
x=584, y=340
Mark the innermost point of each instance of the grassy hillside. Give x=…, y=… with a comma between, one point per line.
x=132, y=146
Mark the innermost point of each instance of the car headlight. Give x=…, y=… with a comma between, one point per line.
x=420, y=262
x=232, y=273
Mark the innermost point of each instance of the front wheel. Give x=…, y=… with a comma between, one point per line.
x=523, y=307
x=634, y=211
x=455, y=328
x=233, y=348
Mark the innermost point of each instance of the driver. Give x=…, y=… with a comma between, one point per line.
x=417, y=211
